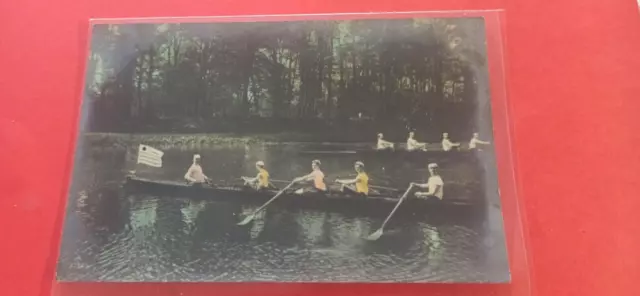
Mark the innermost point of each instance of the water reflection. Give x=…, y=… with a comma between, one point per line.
x=190, y=213
x=112, y=237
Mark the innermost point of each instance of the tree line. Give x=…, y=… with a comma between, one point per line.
x=356, y=75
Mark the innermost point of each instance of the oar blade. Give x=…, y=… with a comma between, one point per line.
x=376, y=235
x=247, y=220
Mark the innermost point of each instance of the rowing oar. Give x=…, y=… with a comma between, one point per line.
x=253, y=215
x=330, y=152
x=384, y=188
x=279, y=181
x=376, y=235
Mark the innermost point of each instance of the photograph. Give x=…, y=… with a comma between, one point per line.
x=322, y=150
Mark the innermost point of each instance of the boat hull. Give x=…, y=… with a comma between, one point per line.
x=331, y=202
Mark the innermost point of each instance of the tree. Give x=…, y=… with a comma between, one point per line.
x=396, y=74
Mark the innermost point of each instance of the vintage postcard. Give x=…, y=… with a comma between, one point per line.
x=335, y=150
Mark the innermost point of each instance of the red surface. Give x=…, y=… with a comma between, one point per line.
x=572, y=80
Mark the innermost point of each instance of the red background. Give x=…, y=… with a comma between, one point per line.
x=571, y=82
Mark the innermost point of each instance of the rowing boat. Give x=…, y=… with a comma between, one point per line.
x=331, y=201
x=417, y=155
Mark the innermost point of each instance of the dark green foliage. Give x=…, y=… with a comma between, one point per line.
x=354, y=78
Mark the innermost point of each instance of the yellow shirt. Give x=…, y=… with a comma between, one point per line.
x=362, y=183
x=263, y=178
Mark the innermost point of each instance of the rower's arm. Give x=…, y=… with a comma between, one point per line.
x=484, y=142
x=349, y=182
x=250, y=179
x=308, y=177
x=425, y=185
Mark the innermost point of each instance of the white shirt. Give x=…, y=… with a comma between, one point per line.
x=473, y=143
x=195, y=174
x=412, y=144
x=433, y=183
x=446, y=145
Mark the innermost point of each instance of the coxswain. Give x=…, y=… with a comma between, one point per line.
x=413, y=144
x=475, y=142
x=194, y=174
x=447, y=145
x=359, y=185
x=260, y=181
x=316, y=177
x=382, y=144
x=434, y=185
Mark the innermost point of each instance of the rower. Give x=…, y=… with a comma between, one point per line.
x=413, y=144
x=359, y=185
x=382, y=144
x=447, y=145
x=475, y=140
x=316, y=175
x=434, y=185
x=194, y=174
x=260, y=181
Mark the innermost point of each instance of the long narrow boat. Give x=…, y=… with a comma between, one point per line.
x=332, y=201
x=435, y=155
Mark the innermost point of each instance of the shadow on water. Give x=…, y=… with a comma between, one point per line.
x=113, y=237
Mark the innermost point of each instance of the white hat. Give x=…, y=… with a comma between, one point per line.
x=359, y=163
x=260, y=163
x=432, y=165
x=196, y=156
x=316, y=162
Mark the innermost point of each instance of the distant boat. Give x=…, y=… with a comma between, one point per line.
x=430, y=153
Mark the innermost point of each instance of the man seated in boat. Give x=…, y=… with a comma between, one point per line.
x=382, y=144
x=414, y=145
x=195, y=175
x=261, y=181
x=359, y=185
x=316, y=177
x=434, y=185
x=476, y=143
x=447, y=145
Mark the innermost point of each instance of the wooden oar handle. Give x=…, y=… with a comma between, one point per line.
x=397, y=205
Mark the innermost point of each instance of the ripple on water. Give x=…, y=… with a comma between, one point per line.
x=179, y=240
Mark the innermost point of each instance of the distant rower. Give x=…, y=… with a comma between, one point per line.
x=195, y=174
x=473, y=144
x=447, y=145
x=359, y=185
x=382, y=144
x=261, y=181
x=413, y=144
x=316, y=175
x=434, y=186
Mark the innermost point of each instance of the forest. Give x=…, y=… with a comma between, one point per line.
x=351, y=78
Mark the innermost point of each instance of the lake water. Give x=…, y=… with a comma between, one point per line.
x=111, y=236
